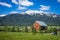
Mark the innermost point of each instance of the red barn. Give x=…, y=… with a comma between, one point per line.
x=40, y=25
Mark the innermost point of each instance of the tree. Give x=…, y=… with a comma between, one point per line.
x=26, y=29
x=18, y=29
x=13, y=29
x=33, y=30
x=55, y=31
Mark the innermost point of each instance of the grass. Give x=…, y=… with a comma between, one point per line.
x=27, y=36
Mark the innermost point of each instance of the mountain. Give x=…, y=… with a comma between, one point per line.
x=26, y=19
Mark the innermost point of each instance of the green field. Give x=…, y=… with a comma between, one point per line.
x=27, y=36
x=22, y=35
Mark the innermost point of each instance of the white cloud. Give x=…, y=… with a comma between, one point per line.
x=2, y=15
x=58, y=1
x=43, y=7
x=13, y=12
x=25, y=3
x=5, y=4
x=21, y=8
x=14, y=1
x=22, y=4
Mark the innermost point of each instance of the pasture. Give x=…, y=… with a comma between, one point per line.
x=27, y=36
x=21, y=35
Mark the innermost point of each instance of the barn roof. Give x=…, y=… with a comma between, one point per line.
x=41, y=23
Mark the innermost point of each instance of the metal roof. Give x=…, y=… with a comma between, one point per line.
x=41, y=23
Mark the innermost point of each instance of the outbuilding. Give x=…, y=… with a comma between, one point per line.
x=40, y=25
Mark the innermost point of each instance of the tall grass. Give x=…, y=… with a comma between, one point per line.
x=27, y=36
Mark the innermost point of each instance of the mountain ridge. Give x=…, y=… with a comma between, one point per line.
x=25, y=19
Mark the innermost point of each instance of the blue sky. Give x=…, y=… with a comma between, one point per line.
x=11, y=6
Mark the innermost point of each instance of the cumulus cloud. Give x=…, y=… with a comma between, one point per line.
x=21, y=8
x=25, y=3
x=43, y=7
x=22, y=3
x=58, y=1
x=5, y=4
x=14, y=1
x=13, y=12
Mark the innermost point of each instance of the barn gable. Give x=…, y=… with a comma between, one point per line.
x=41, y=23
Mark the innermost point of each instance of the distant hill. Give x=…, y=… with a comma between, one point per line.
x=25, y=19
